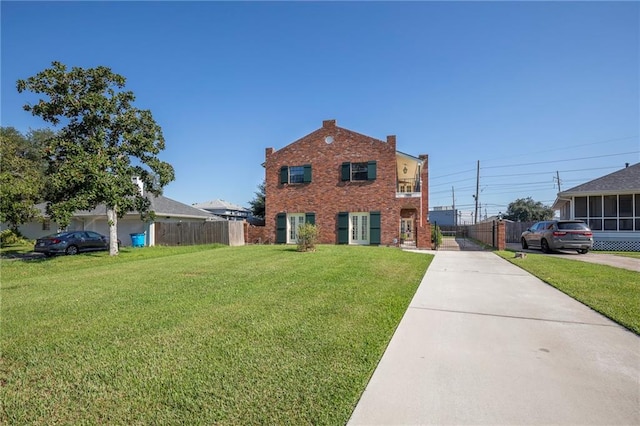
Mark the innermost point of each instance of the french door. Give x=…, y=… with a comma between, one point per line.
x=406, y=229
x=294, y=220
x=359, y=228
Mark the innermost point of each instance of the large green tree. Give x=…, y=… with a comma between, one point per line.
x=21, y=174
x=526, y=210
x=257, y=204
x=103, y=141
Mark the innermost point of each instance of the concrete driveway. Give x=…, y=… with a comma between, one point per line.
x=484, y=342
x=629, y=263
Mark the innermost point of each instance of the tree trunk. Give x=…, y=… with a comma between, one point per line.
x=112, y=219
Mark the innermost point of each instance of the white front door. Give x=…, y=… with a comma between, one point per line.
x=294, y=220
x=359, y=228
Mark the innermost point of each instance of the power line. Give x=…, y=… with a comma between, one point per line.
x=560, y=161
x=532, y=173
x=451, y=174
x=450, y=182
x=553, y=171
x=516, y=184
x=567, y=147
x=488, y=194
x=447, y=191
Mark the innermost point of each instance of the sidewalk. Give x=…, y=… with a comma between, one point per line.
x=484, y=342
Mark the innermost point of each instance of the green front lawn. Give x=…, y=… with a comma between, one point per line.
x=614, y=292
x=198, y=335
x=15, y=250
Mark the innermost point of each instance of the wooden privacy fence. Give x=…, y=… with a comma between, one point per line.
x=193, y=233
x=515, y=230
x=491, y=233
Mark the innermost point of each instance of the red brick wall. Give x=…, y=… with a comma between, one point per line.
x=501, y=243
x=327, y=194
x=257, y=234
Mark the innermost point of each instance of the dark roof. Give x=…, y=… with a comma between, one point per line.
x=624, y=180
x=164, y=206
x=161, y=205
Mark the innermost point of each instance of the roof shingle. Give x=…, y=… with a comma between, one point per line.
x=161, y=205
x=625, y=180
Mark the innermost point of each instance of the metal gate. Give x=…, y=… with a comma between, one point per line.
x=456, y=238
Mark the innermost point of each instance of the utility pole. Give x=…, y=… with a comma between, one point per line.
x=558, y=178
x=455, y=216
x=475, y=216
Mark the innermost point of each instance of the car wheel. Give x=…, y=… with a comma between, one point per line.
x=524, y=244
x=544, y=246
x=71, y=250
x=583, y=251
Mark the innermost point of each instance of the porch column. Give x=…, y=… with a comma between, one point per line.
x=151, y=234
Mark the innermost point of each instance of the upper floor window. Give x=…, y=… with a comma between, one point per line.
x=295, y=174
x=359, y=171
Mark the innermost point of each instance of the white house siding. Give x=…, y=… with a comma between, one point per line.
x=622, y=241
x=33, y=230
x=126, y=226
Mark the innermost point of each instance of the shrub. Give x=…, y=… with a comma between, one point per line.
x=11, y=236
x=436, y=235
x=307, y=237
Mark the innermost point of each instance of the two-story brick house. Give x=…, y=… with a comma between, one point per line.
x=355, y=188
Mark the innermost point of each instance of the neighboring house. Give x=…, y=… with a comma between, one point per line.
x=357, y=189
x=610, y=205
x=224, y=209
x=166, y=211
x=443, y=216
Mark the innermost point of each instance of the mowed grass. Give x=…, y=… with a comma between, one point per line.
x=199, y=335
x=14, y=250
x=613, y=292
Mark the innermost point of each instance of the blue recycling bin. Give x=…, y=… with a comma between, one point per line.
x=137, y=240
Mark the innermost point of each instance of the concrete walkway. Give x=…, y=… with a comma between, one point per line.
x=484, y=342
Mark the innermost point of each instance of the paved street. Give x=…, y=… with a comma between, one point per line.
x=484, y=342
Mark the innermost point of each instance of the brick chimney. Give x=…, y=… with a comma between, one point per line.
x=327, y=124
x=391, y=140
x=267, y=153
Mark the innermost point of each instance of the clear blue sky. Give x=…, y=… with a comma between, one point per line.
x=505, y=83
